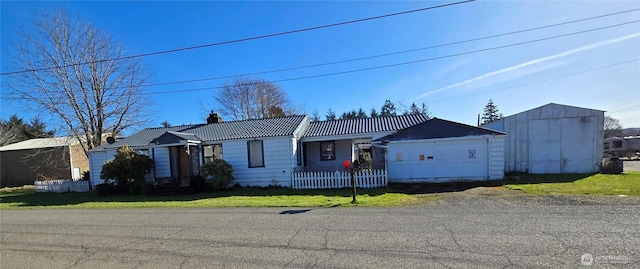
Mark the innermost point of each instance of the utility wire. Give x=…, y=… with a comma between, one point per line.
x=624, y=109
x=244, y=39
x=544, y=80
x=387, y=54
x=402, y=63
x=410, y=62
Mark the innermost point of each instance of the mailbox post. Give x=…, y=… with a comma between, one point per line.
x=352, y=168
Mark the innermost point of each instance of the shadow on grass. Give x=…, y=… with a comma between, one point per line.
x=30, y=198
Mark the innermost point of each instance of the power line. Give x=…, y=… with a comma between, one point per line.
x=545, y=80
x=387, y=54
x=404, y=63
x=244, y=39
x=407, y=63
x=624, y=109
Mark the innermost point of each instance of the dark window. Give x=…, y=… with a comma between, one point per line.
x=256, y=154
x=617, y=144
x=327, y=150
x=212, y=152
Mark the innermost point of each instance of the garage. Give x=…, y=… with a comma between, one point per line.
x=444, y=151
x=552, y=139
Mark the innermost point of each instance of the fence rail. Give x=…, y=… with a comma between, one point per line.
x=338, y=179
x=62, y=185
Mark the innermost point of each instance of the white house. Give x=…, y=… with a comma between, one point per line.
x=438, y=151
x=553, y=139
x=262, y=152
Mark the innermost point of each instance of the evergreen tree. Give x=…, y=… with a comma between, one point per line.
x=374, y=113
x=490, y=113
x=388, y=109
x=331, y=115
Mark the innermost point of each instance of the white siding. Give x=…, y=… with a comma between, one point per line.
x=161, y=162
x=96, y=160
x=279, y=160
x=446, y=160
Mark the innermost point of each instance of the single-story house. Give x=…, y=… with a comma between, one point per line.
x=262, y=152
x=289, y=151
x=58, y=157
x=439, y=150
x=553, y=139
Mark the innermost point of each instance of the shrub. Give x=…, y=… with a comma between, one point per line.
x=217, y=174
x=126, y=172
x=86, y=175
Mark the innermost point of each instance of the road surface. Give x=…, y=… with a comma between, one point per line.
x=459, y=232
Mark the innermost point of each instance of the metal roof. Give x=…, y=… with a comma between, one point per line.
x=41, y=143
x=145, y=136
x=228, y=130
x=367, y=125
x=438, y=128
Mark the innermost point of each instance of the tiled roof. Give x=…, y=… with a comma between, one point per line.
x=41, y=143
x=368, y=125
x=438, y=128
x=228, y=130
x=145, y=136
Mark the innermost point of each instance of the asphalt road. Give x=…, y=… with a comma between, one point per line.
x=459, y=232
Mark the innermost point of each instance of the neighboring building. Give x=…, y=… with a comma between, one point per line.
x=326, y=144
x=553, y=139
x=59, y=157
x=622, y=146
x=438, y=150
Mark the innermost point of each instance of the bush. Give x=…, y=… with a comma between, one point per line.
x=105, y=189
x=126, y=172
x=86, y=175
x=217, y=174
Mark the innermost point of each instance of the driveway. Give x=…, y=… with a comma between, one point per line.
x=475, y=229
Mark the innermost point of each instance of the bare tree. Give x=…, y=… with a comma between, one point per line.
x=612, y=127
x=70, y=75
x=246, y=98
x=8, y=135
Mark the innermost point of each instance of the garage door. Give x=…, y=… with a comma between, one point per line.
x=563, y=145
x=438, y=161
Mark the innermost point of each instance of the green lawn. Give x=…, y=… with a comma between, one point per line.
x=248, y=197
x=598, y=184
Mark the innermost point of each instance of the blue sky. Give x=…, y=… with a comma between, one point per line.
x=454, y=88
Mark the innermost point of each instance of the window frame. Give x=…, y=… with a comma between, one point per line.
x=213, y=150
x=249, y=163
x=333, y=146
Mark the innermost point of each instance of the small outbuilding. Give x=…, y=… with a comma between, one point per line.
x=553, y=139
x=439, y=150
x=47, y=158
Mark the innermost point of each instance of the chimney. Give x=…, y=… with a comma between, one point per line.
x=213, y=118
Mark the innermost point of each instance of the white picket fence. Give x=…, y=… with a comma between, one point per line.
x=62, y=185
x=338, y=179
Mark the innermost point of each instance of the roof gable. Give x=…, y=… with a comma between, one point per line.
x=171, y=137
x=144, y=137
x=366, y=125
x=438, y=128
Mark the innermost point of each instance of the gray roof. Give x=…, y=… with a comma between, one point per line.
x=37, y=143
x=229, y=130
x=368, y=125
x=438, y=128
x=226, y=130
x=144, y=137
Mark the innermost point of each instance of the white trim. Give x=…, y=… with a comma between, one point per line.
x=346, y=136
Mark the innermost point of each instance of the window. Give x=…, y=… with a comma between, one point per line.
x=617, y=144
x=212, y=152
x=327, y=150
x=256, y=154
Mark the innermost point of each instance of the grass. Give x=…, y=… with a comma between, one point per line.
x=598, y=184
x=13, y=198
x=409, y=195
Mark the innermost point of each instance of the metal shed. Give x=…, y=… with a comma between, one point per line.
x=553, y=139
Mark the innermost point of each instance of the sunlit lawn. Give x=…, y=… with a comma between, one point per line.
x=599, y=184
x=249, y=197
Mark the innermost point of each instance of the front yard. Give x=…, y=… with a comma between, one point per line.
x=394, y=196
